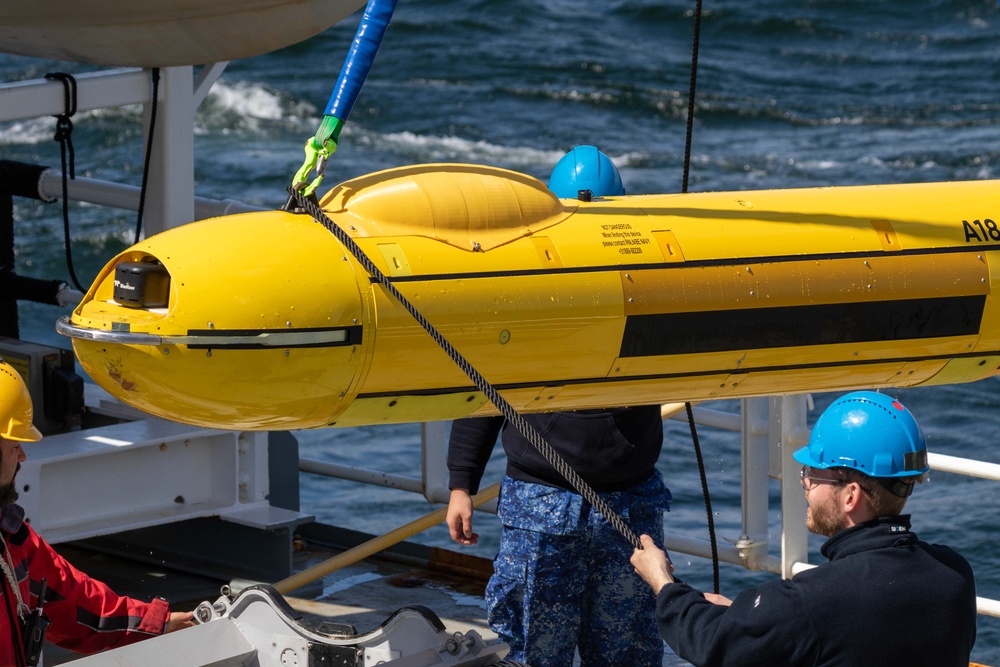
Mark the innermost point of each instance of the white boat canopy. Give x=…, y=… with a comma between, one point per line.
x=162, y=33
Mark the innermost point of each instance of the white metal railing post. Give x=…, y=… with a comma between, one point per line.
x=434, y=460
x=791, y=422
x=752, y=543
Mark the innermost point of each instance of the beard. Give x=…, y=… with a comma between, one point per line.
x=823, y=518
x=8, y=492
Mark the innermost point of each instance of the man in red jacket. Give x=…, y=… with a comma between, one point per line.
x=83, y=615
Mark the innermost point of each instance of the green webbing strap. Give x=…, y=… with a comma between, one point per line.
x=318, y=149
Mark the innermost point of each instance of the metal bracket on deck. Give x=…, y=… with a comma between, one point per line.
x=259, y=627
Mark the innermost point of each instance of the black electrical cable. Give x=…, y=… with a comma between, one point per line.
x=691, y=92
x=706, y=494
x=155, y=74
x=684, y=188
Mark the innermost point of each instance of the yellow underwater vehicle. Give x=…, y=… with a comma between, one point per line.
x=267, y=321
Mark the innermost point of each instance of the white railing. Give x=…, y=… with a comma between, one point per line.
x=770, y=429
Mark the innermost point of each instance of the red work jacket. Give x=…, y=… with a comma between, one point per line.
x=86, y=615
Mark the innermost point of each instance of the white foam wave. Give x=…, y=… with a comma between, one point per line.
x=906, y=162
x=250, y=100
x=30, y=131
x=432, y=148
x=455, y=149
x=252, y=103
x=817, y=165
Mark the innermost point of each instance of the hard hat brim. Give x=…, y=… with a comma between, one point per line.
x=803, y=457
x=29, y=434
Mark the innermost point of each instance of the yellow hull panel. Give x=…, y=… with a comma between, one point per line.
x=271, y=323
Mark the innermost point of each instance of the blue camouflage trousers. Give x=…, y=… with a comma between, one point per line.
x=562, y=578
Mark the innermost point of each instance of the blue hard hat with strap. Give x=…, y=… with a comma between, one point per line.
x=869, y=432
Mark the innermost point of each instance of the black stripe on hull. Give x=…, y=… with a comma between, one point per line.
x=799, y=326
x=688, y=264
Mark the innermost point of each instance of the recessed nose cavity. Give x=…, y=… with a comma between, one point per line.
x=144, y=284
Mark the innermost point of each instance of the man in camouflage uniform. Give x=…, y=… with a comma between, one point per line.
x=562, y=579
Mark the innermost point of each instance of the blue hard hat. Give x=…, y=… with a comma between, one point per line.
x=585, y=168
x=870, y=432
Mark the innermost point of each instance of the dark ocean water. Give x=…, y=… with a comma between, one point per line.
x=834, y=92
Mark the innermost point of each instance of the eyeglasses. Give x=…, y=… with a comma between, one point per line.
x=808, y=481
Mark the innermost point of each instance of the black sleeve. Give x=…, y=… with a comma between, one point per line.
x=765, y=621
x=469, y=449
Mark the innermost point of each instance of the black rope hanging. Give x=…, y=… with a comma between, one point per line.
x=684, y=188
x=64, y=135
x=691, y=91
x=154, y=100
x=708, y=498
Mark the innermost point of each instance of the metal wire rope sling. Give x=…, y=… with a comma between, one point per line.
x=506, y=409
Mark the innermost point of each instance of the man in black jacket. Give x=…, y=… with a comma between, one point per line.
x=884, y=597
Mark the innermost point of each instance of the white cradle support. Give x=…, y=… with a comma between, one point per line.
x=146, y=472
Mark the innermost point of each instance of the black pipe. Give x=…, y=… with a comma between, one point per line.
x=22, y=180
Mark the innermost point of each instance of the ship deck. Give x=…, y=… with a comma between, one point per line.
x=362, y=595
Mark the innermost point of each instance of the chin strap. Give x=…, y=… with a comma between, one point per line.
x=898, y=487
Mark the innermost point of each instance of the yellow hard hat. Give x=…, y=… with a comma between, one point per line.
x=15, y=407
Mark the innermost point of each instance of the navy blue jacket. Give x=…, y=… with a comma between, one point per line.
x=884, y=598
x=610, y=449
